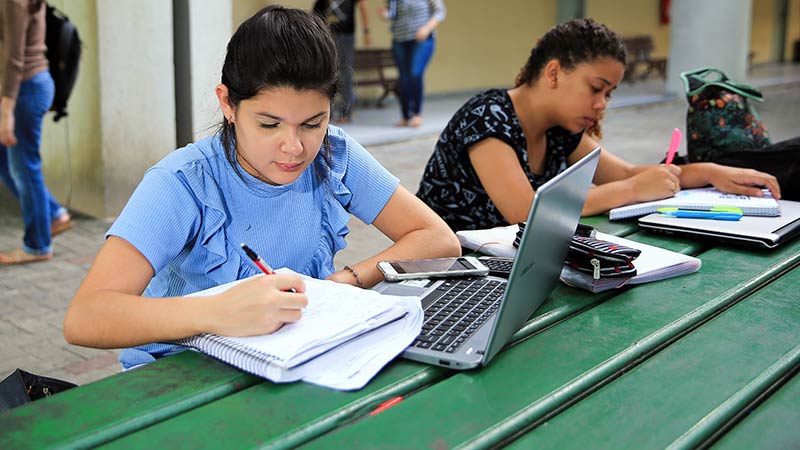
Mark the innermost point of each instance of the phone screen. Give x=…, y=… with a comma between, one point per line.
x=432, y=265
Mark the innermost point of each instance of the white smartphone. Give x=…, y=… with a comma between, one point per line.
x=463, y=266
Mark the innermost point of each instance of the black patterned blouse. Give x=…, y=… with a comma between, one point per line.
x=450, y=185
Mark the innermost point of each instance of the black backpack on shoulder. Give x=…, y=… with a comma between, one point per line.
x=64, y=54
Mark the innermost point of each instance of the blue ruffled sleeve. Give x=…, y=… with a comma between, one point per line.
x=159, y=219
x=364, y=185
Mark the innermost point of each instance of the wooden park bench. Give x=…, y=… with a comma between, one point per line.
x=641, y=64
x=376, y=67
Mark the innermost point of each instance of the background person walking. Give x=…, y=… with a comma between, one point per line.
x=27, y=93
x=341, y=17
x=413, y=23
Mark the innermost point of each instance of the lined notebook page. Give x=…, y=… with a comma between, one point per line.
x=703, y=199
x=335, y=313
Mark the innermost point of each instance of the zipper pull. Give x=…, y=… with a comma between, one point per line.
x=596, y=264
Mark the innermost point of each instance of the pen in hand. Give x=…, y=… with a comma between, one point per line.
x=260, y=262
x=257, y=260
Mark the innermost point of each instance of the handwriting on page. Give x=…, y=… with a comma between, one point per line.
x=332, y=309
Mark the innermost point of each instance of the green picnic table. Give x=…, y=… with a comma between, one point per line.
x=707, y=359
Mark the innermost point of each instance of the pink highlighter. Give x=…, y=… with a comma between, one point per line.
x=673, y=146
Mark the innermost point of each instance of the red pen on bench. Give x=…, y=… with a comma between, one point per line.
x=257, y=260
x=386, y=405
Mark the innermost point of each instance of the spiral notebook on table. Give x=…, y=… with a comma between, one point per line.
x=703, y=199
x=345, y=336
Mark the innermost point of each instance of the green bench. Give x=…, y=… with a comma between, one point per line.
x=685, y=362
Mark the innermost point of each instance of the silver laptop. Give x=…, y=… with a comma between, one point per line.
x=749, y=231
x=468, y=333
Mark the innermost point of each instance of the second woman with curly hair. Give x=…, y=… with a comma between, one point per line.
x=503, y=144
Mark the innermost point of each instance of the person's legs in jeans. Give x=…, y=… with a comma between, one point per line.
x=5, y=173
x=402, y=52
x=56, y=210
x=25, y=162
x=345, y=44
x=420, y=57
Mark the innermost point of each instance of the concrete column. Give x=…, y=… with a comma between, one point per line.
x=137, y=91
x=202, y=31
x=708, y=33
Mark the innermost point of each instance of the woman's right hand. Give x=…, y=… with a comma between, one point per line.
x=655, y=183
x=7, y=136
x=257, y=306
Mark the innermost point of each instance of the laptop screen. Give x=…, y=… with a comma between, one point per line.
x=551, y=224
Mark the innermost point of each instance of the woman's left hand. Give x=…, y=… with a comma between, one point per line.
x=735, y=180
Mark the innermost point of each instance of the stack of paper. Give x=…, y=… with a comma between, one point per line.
x=703, y=199
x=346, y=335
x=654, y=263
x=493, y=241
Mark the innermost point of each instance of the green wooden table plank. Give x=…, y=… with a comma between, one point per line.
x=312, y=411
x=771, y=425
x=320, y=410
x=683, y=395
x=544, y=373
x=288, y=413
x=103, y=410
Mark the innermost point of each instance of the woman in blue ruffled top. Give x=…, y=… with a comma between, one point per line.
x=275, y=176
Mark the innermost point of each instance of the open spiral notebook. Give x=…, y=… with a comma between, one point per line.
x=346, y=335
x=702, y=199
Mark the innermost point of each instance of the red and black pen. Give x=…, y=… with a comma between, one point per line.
x=257, y=260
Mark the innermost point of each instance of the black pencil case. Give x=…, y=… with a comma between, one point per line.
x=601, y=258
x=596, y=257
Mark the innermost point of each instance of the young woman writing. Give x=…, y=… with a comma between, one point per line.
x=275, y=177
x=503, y=144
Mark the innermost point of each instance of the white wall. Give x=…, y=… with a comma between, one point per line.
x=210, y=24
x=137, y=91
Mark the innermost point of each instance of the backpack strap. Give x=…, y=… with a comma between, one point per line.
x=695, y=81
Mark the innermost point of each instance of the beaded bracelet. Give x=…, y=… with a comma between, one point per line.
x=355, y=274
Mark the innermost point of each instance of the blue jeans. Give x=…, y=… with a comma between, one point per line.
x=21, y=165
x=412, y=58
x=56, y=210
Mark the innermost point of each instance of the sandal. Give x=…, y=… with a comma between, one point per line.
x=416, y=122
x=19, y=256
x=60, y=225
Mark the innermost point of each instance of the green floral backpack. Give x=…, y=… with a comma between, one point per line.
x=719, y=118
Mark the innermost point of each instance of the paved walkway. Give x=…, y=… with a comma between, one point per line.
x=33, y=298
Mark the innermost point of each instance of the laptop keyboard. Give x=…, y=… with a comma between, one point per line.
x=500, y=267
x=462, y=306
